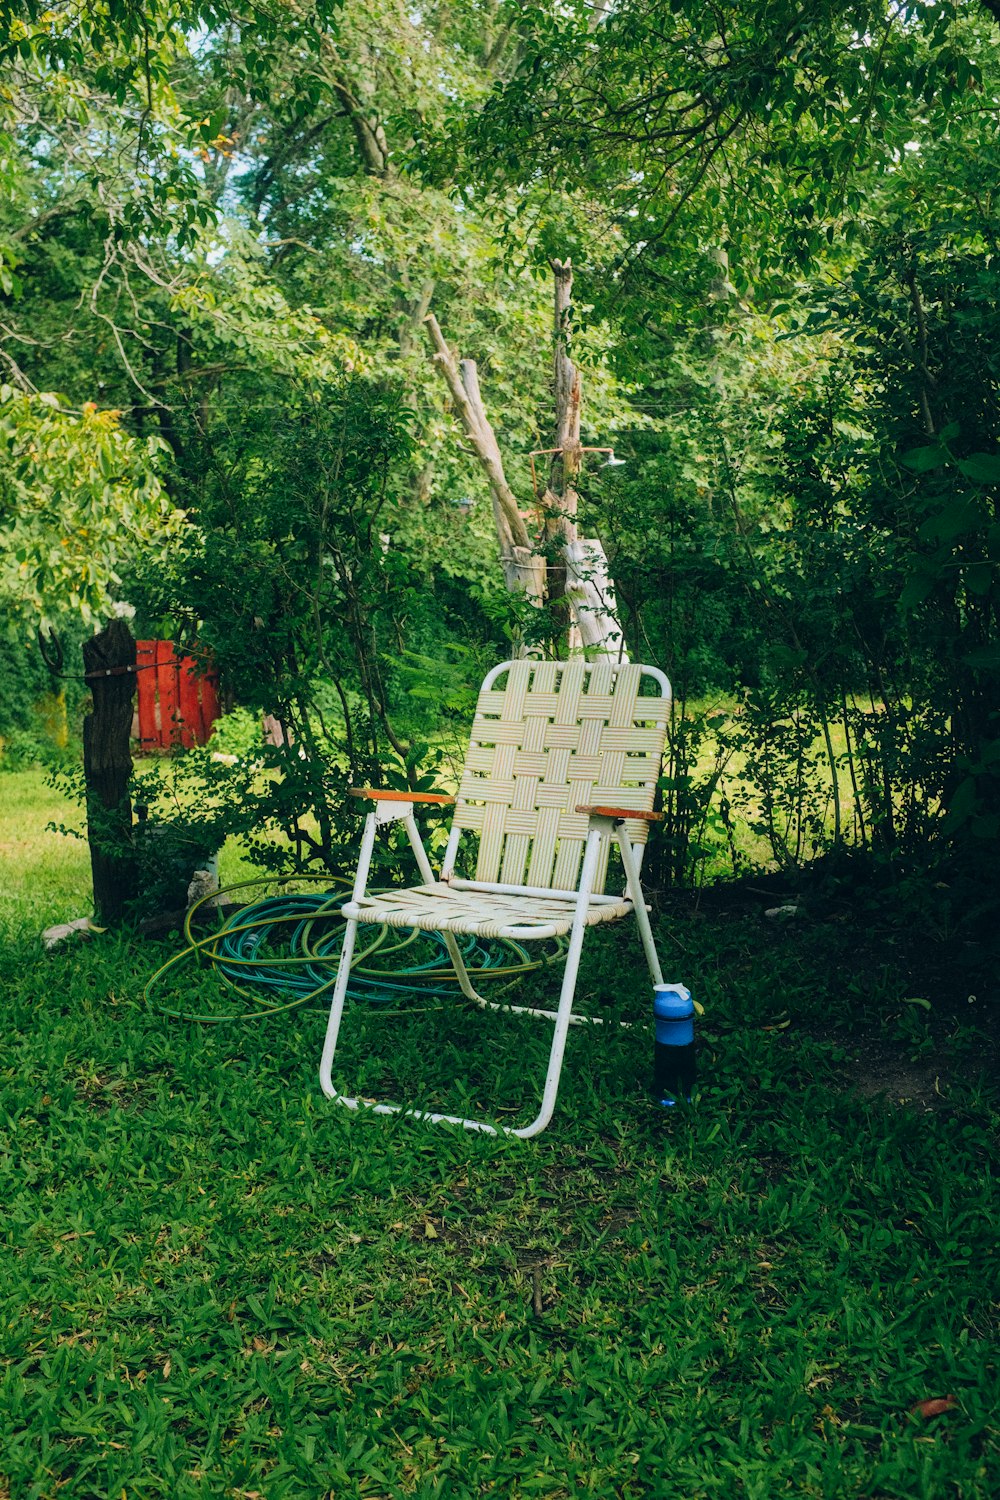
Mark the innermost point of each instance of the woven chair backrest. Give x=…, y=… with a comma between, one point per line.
x=549, y=737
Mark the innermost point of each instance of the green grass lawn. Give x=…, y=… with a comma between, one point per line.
x=214, y=1283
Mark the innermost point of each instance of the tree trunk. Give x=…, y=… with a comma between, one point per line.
x=566, y=380
x=560, y=501
x=591, y=594
x=579, y=576
x=523, y=568
x=109, y=660
x=583, y=580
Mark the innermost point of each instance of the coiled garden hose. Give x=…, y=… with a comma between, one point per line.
x=288, y=945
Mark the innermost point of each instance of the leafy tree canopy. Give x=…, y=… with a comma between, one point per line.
x=752, y=127
x=80, y=500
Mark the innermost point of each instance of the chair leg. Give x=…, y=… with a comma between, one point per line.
x=471, y=993
x=344, y=969
x=336, y=1014
x=563, y=1016
x=458, y=963
x=330, y=1046
x=340, y=994
x=454, y=953
x=635, y=896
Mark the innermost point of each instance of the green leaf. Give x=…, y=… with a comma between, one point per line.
x=985, y=658
x=963, y=803
x=982, y=468
x=922, y=460
x=916, y=589
x=979, y=578
x=957, y=519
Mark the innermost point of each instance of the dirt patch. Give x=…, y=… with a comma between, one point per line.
x=879, y=1068
x=923, y=1086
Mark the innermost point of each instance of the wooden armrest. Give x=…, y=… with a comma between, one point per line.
x=621, y=812
x=377, y=794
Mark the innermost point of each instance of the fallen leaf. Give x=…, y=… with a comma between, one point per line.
x=430, y=1232
x=934, y=1406
x=166, y=1369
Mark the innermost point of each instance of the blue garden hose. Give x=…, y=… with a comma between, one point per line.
x=255, y=955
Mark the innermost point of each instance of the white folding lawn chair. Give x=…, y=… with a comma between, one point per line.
x=563, y=758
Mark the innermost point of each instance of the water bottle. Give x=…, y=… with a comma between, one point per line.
x=673, y=1052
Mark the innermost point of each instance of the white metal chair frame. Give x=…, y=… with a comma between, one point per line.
x=561, y=761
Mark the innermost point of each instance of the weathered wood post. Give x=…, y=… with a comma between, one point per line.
x=109, y=660
x=576, y=577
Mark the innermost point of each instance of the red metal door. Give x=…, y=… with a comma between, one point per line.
x=177, y=704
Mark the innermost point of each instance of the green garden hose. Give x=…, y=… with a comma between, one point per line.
x=288, y=945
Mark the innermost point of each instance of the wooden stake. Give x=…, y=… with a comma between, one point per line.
x=522, y=567
x=107, y=768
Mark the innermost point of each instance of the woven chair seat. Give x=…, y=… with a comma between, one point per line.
x=442, y=908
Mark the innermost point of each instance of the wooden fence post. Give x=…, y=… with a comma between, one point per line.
x=109, y=661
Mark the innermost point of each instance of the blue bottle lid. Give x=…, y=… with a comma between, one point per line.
x=672, y=1001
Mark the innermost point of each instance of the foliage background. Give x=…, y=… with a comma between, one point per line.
x=221, y=227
